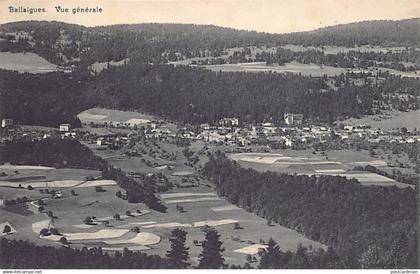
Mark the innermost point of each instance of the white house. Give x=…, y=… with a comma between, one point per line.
x=65, y=127
x=293, y=119
x=229, y=122
x=6, y=123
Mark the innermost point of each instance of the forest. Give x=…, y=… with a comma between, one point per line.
x=25, y=255
x=149, y=41
x=193, y=95
x=54, y=152
x=360, y=223
x=35, y=99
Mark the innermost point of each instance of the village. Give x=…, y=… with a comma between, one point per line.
x=293, y=133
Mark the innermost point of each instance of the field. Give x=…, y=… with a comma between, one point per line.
x=304, y=69
x=25, y=62
x=390, y=120
x=335, y=163
x=106, y=116
x=101, y=116
x=200, y=207
x=336, y=49
x=99, y=66
x=293, y=67
x=155, y=227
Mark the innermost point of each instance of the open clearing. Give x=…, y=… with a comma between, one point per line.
x=192, y=200
x=101, y=234
x=99, y=66
x=251, y=250
x=61, y=183
x=185, y=194
x=259, y=157
x=2, y=225
x=182, y=173
x=389, y=120
x=142, y=238
x=167, y=225
x=225, y=208
x=337, y=49
x=132, y=248
x=25, y=62
x=36, y=227
x=339, y=163
x=24, y=167
x=292, y=67
x=102, y=116
x=215, y=222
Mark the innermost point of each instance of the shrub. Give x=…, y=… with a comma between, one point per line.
x=7, y=229
x=44, y=232
x=63, y=240
x=88, y=220
x=99, y=189
x=54, y=231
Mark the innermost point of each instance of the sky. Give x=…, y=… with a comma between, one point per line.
x=275, y=16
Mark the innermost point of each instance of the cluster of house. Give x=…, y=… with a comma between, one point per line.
x=6, y=123
x=230, y=131
x=349, y=132
x=293, y=132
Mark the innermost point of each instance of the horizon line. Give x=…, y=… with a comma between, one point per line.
x=213, y=25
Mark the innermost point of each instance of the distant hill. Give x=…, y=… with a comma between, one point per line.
x=381, y=32
x=63, y=43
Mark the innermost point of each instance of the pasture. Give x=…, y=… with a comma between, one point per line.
x=389, y=120
x=25, y=62
x=191, y=209
x=334, y=163
x=338, y=49
x=113, y=235
x=102, y=116
x=292, y=67
x=100, y=66
x=200, y=206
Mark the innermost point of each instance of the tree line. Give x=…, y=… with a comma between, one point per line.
x=358, y=222
x=22, y=254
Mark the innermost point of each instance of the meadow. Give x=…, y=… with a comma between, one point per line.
x=25, y=62
x=389, y=120
x=334, y=163
x=242, y=232
x=293, y=67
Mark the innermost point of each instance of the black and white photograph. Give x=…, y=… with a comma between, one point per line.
x=195, y=134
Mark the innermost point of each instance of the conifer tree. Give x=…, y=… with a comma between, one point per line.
x=178, y=255
x=211, y=257
x=270, y=256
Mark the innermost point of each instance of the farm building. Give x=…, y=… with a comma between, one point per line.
x=229, y=122
x=293, y=119
x=6, y=123
x=65, y=127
